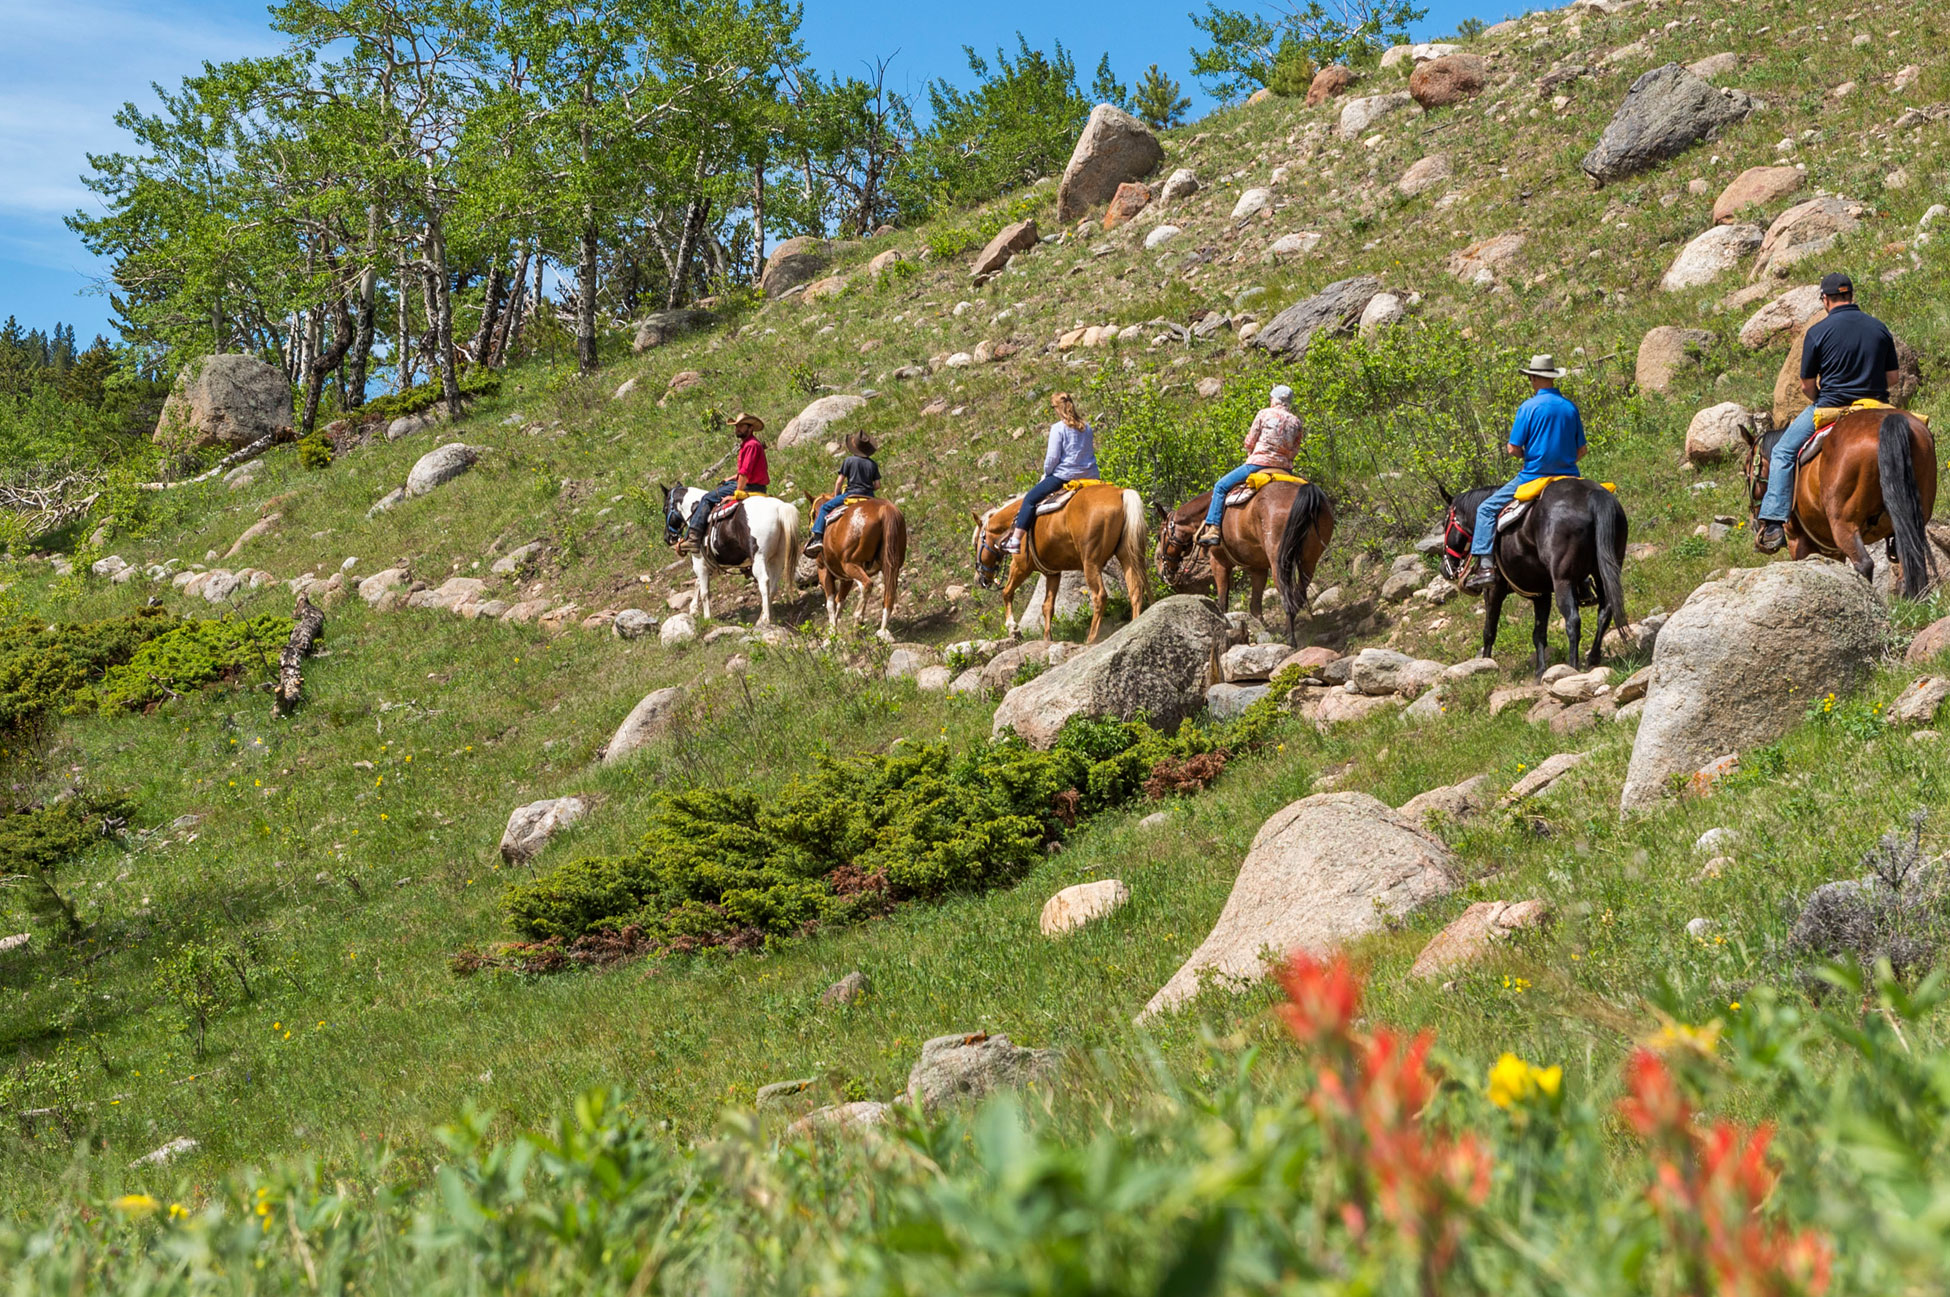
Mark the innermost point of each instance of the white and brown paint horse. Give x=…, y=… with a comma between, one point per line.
x=1100, y=522
x=760, y=534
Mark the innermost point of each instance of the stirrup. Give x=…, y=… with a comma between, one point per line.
x=814, y=545
x=1209, y=535
x=1011, y=544
x=1770, y=537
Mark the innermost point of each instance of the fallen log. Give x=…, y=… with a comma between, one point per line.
x=310, y=621
x=229, y=461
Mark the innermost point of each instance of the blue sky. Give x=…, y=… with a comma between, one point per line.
x=67, y=66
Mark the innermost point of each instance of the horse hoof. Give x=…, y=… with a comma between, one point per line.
x=884, y=636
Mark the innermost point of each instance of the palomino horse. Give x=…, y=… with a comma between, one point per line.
x=1573, y=531
x=1282, y=531
x=1874, y=478
x=760, y=534
x=867, y=536
x=1099, y=523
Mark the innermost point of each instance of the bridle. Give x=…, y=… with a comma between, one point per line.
x=1172, y=549
x=1454, y=544
x=675, y=522
x=988, y=554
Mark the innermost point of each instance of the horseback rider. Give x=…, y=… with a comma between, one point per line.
x=1548, y=436
x=859, y=476
x=1270, y=444
x=1846, y=356
x=752, y=477
x=1070, y=457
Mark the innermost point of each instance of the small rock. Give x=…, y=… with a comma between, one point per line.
x=1919, y=701
x=678, y=629
x=1075, y=906
x=1474, y=932
x=632, y=623
x=531, y=826
x=1715, y=841
x=1547, y=773
x=848, y=990
x=970, y=1066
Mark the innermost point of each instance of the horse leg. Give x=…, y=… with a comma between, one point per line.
x=1566, y=594
x=1018, y=572
x=890, y=582
x=826, y=587
x=1598, y=635
x=1540, y=629
x=857, y=575
x=1221, y=581
x=703, y=571
x=1848, y=539
x=1051, y=584
x=1256, y=582
x=1093, y=579
x=1493, y=616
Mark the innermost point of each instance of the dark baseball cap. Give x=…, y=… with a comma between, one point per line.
x=1837, y=285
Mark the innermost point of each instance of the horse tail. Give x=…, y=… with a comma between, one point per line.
x=1896, y=464
x=784, y=574
x=1609, y=525
x=1289, y=571
x=1130, y=550
x=893, y=546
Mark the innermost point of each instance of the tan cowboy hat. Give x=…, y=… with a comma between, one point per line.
x=1543, y=365
x=744, y=420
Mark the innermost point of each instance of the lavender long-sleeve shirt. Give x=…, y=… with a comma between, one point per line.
x=1072, y=452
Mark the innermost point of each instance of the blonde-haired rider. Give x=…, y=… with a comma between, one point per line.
x=1071, y=456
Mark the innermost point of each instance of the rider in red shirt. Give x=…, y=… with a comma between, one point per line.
x=753, y=476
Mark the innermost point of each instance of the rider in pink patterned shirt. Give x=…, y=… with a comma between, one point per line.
x=1270, y=443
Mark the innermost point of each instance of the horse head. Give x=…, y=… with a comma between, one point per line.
x=1174, y=543
x=675, y=522
x=1457, y=525
x=989, y=554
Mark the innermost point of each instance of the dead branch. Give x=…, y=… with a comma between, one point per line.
x=229, y=461
x=310, y=622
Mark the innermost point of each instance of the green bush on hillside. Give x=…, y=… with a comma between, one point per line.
x=193, y=654
x=858, y=835
x=474, y=382
x=36, y=843
x=49, y=670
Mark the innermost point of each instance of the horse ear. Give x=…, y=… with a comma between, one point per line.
x=975, y=513
x=1164, y=514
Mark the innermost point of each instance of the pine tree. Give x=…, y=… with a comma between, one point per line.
x=1107, y=89
x=1158, y=102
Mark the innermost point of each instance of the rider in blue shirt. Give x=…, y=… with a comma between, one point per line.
x=1548, y=435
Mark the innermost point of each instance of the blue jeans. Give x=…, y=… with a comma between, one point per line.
x=1779, y=499
x=825, y=511
x=1483, y=539
x=1217, y=509
x=1043, y=490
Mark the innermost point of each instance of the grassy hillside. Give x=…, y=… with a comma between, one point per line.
x=350, y=850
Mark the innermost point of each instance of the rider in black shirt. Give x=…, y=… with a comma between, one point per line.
x=859, y=475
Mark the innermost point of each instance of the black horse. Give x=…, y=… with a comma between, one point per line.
x=1573, y=532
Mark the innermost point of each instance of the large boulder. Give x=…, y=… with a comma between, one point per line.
x=1008, y=241
x=659, y=327
x=1710, y=255
x=1159, y=666
x=1359, y=116
x=1448, y=80
x=1114, y=147
x=1806, y=230
x=1335, y=309
x=1667, y=352
x=1743, y=659
x=1783, y=317
x=1328, y=82
x=810, y=425
x=794, y=262
x=1322, y=871
x=648, y=721
x=967, y=1067
x=1720, y=432
x=439, y=466
x=1666, y=112
x=228, y=401
x=531, y=826
x=1756, y=187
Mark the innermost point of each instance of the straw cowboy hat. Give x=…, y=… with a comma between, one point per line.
x=744, y=420
x=1543, y=365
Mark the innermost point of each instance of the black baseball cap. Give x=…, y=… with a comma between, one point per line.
x=1837, y=285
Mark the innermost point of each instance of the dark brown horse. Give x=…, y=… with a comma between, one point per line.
x=1282, y=532
x=1873, y=479
x=867, y=537
x=1574, y=532
x=1100, y=523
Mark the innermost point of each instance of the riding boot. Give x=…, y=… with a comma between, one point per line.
x=1477, y=576
x=1013, y=543
x=1208, y=535
x=813, y=546
x=1771, y=538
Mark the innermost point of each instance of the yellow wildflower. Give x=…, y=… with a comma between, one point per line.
x=1513, y=1081
x=1675, y=1037
x=137, y=1204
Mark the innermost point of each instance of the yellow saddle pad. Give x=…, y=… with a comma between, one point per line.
x=1084, y=481
x=1259, y=479
x=1531, y=490
x=1826, y=415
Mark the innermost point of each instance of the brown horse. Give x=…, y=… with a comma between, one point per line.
x=1282, y=531
x=1873, y=479
x=1101, y=522
x=867, y=537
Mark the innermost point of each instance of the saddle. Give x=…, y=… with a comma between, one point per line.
x=1057, y=499
x=1527, y=494
x=1249, y=488
x=726, y=506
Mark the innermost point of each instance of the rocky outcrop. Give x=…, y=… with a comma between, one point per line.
x=439, y=466
x=1328, y=82
x=1157, y=666
x=1474, y=933
x=648, y=721
x=1448, y=80
x=1806, y=230
x=1790, y=400
x=796, y=261
x=1783, y=317
x=1743, y=659
x=1009, y=240
x=228, y=401
x=1075, y=906
x=1756, y=187
x=965, y=1068
x=813, y=424
x=1359, y=116
x=1335, y=309
x=1322, y=871
x=1666, y=112
x=659, y=327
x=531, y=826
x=1709, y=256
x=1720, y=432
x=1667, y=352
x=1114, y=147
